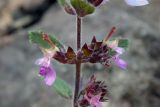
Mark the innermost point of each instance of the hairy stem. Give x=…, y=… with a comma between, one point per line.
x=78, y=64
x=77, y=82
x=78, y=33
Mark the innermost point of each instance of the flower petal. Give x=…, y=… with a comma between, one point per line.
x=43, y=71
x=120, y=62
x=137, y=2
x=45, y=61
x=95, y=101
x=50, y=77
x=49, y=74
x=119, y=50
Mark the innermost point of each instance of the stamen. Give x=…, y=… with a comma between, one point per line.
x=110, y=33
x=48, y=39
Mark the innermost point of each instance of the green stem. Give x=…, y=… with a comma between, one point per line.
x=78, y=64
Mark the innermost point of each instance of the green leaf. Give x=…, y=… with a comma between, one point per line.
x=62, y=88
x=36, y=38
x=82, y=7
x=123, y=43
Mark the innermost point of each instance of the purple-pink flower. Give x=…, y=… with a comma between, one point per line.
x=119, y=51
x=94, y=100
x=45, y=61
x=119, y=62
x=46, y=69
x=137, y=2
x=48, y=73
x=131, y=2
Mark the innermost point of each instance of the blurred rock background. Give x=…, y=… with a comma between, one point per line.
x=138, y=86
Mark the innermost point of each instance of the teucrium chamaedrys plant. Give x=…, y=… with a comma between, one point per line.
x=102, y=52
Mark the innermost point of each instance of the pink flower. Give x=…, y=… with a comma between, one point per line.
x=46, y=70
x=45, y=61
x=119, y=62
x=48, y=54
x=94, y=101
x=116, y=58
x=119, y=50
x=48, y=73
x=137, y=2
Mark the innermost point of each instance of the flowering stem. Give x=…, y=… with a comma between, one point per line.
x=78, y=64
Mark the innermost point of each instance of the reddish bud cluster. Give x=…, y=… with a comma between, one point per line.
x=93, y=89
x=93, y=53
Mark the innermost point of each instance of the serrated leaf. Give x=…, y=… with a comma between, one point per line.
x=123, y=43
x=37, y=38
x=62, y=88
x=82, y=7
